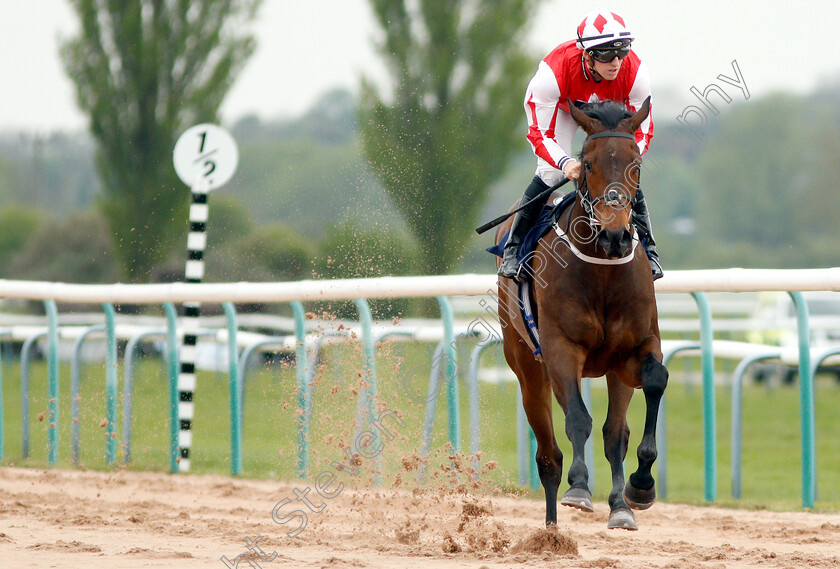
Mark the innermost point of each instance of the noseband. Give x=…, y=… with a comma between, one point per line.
x=613, y=197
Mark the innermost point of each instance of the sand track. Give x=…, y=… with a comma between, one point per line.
x=61, y=518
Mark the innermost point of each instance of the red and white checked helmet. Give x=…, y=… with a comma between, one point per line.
x=601, y=27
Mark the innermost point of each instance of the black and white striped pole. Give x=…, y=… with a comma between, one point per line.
x=205, y=158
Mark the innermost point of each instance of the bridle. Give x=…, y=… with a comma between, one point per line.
x=613, y=197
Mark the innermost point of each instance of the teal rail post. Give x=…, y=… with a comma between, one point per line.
x=475, y=427
x=451, y=372
x=806, y=403
x=307, y=353
x=172, y=360
x=110, y=384
x=707, y=362
x=431, y=408
x=364, y=413
x=52, y=375
x=532, y=449
x=303, y=398
x=236, y=388
x=367, y=402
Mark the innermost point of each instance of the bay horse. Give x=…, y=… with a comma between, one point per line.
x=593, y=300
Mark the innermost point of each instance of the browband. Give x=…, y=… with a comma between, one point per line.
x=612, y=134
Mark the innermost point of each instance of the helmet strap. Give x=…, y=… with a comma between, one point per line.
x=591, y=67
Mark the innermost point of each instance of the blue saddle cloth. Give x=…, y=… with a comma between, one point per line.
x=547, y=216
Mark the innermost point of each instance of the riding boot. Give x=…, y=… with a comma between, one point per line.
x=641, y=221
x=521, y=224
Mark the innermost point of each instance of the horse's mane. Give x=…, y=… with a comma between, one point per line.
x=608, y=112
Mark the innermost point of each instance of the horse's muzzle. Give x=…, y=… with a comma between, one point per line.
x=615, y=244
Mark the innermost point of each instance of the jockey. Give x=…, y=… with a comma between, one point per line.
x=598, y=65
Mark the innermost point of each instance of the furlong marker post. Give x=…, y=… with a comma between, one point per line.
x=205, y=157
x=193, y=273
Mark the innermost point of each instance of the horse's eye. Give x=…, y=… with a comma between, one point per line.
x=587, y=166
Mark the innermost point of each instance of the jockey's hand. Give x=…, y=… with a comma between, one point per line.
x=572, y=169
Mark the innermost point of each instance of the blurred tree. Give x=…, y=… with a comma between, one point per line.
x=230, y=221
x=355, y=250
x=54, y=172
x=285, y=181
x=333, y=118
x=451, y=125
x=17, y=227
x=4, y=179
x=75, y=249
x=752, y=174
x=271, y=253
x=144, y=71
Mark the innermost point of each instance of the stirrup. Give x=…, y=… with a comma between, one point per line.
x=510, y=274
x=655, y=268
x=507, y=263
x=519, y=276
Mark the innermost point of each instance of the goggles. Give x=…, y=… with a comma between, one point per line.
x=606, y=54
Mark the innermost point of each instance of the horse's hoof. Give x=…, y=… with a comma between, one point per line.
x=578, y=498
x=622, y=519
x=639, y=499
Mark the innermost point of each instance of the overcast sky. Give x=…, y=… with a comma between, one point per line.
x=308, y=47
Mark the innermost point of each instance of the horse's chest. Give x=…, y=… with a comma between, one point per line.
x=623, y=333
x=609, y=329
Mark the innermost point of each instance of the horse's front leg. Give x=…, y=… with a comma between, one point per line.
x=565, y=380
x=536, y=400
x=639, y=492
x=616, y=436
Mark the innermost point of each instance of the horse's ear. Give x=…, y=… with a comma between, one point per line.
x=637, y=119
x=587, y=123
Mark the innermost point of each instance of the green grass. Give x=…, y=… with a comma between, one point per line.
x=771, y=446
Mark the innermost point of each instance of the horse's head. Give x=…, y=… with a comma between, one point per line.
x=610, y=163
